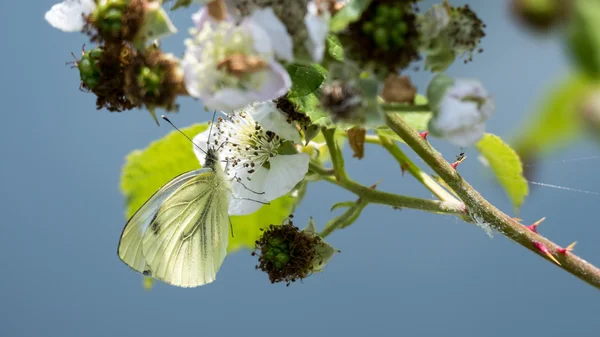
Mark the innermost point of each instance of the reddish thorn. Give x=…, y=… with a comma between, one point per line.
x=424, y=134
x=533, y=226
x=403, y=167
x=568, y=249
x=544, y=250
x=455, y=164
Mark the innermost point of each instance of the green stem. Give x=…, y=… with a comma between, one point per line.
x=400, y=107
x=371, y=195
x=337, y=159
x=345, y=219
x=414, y=170
x=483, y=212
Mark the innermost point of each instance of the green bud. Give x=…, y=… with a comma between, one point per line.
x=305, y=252
x=395, y=13
x=282, y=258
x=382, y=12
x=381, y=37
x=368, y=27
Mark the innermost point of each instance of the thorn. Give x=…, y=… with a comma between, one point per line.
x=517, y=219
x=374, y=186
x=568, y=249
x=533, y=226
x=456, y=163
x=403, y=167
x=424, y=134
x=540, y=246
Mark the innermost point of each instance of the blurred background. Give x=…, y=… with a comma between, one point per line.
x=401, y=272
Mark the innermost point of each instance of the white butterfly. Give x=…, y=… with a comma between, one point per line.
x=180, y=235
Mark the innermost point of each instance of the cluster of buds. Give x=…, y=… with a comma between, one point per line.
x=447, y=32
x=126, y=69
x=287, y=253
x=385, y=37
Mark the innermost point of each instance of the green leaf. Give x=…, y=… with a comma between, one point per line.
x=507, y=167
x=309, y=105
x=350, y=13
x=306, y=79
x=557, y=120
x=334, y=48
x=145, y=171
x=584, y=36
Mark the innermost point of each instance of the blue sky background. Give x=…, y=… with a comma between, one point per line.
x=400, y=273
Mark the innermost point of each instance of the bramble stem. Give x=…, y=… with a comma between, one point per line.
x=414, y=170
x=482, y=211
x=337, y=159
x=371, y=195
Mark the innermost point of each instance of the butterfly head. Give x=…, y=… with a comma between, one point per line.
x=212, y=158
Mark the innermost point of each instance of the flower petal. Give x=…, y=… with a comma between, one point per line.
x=276, y=83
x=202, y=17
x=228, y=99
x=201, y=144
x=281, y=41
x=466, y=137
x=261, y=40
x=318, y=28
x=286, y=171
x=68, y=15
x=245, y=198
x=272, y=119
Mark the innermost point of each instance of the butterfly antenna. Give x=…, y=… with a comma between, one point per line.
x=210, y=128
x=186, y=136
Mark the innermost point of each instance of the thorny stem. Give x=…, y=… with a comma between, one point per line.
x=482, y=211
x=414, y=170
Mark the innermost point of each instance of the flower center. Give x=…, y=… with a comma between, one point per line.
x=224, y=57
x=248, y=144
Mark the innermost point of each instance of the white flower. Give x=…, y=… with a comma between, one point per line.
x=460, y=108
x=68, y=15
x=317, y=25
x=306, y=24
x=252, y=150
x=229, y=66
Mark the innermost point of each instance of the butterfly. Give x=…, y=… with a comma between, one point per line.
x=180, y=234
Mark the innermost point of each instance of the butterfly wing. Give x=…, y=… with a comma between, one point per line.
x=186, y=242
x=130, y=244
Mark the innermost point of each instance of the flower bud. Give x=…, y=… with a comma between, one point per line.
x=286, y=254
x=447, y=32
x=102, y=71
x=351, y=97
x=460, y=108
x=540, y=15
x=384, y=38
x=154, y=79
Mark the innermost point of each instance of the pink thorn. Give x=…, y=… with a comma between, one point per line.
x=544, y=250
x=568, y=249
x=533, y=226
x=424, y=134
x=455, y=164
